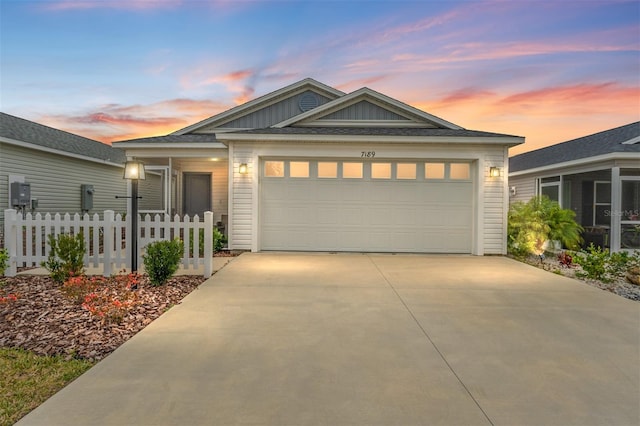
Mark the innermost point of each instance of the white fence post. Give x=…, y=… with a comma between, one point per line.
x=208, y=244
x=103, y=238
x=108, y=242
x=10, y=219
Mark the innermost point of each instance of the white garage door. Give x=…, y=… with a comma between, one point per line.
x=366, y=206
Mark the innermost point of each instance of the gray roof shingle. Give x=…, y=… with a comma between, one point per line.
x=605, y=142
x=189, y=138
x=373, y=131
x=19, y=129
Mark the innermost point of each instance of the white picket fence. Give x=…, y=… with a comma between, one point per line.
x=106, y=239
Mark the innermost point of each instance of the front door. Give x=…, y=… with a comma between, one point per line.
x=196, y=193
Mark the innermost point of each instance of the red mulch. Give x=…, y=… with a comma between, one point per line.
x=44, y=321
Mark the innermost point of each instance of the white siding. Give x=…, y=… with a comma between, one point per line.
x=490, y=202
x=241, y=232
x=525, y=188
x=55, y=180
x=494, y=203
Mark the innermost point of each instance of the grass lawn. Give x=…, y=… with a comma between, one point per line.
x=28, y=380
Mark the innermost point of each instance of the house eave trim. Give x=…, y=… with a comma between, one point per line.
x=508, y=141
x=579, y=162
x=58, y=152
x=179, y=145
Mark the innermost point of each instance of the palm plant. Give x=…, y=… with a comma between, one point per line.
x=539, y=220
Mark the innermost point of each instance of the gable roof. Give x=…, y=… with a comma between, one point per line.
x=620, y=139
x=18, y=130
x=411, y=115
x=263, y=102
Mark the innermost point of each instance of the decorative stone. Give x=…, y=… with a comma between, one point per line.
x=633, y=275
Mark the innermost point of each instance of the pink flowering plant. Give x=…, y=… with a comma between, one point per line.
x=109, y=299
x=8, y=298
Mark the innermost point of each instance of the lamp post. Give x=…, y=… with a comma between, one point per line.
x=134, y=171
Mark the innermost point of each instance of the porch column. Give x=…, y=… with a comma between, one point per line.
x=616, y=209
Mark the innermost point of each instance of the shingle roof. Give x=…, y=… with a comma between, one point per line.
x=608, y=141
x=19, y=129
x=189, y=138
x=373, y=131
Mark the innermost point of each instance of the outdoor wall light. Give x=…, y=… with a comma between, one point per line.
x=243, y=169
x=134, y=170
x=494, y=171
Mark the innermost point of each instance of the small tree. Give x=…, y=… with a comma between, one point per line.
x=66, y=258
x=161, y=260
x=539, y=220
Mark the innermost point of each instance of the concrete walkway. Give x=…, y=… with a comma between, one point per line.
x=353, y=339
x=218, y=263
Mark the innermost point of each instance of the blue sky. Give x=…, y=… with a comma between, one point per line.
x=113, y=70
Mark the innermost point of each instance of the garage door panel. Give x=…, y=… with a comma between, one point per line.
x=386, y=215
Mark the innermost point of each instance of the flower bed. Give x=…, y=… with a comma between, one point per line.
x=36, y=315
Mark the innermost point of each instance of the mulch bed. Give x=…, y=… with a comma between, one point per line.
x=44, y=321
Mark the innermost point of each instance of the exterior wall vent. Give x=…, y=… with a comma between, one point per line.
x=308, y=101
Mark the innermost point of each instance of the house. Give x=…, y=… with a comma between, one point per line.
x=63, y=172
x=597, y=176
x=311, y=168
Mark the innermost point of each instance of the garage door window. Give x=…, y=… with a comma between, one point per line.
x=381, y=170
x=299, y=169
x=434, y=171
x=274, y=168
x=406, y=171
x=459, y=171
x=327, y=170
x=352, y=170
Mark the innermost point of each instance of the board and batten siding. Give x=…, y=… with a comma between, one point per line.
x=269, y=115
x=363, y=110
x=491, y=201
x=55, y=180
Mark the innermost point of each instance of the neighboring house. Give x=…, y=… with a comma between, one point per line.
x=597, y=176
x=55, y=164
x=311, y=168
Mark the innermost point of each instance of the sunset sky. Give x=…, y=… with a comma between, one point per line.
x=113, y=70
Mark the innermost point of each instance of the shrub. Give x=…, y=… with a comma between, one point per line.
x=539, y=220
x=593, y=262
x=599, y=264
x=161, y=260
x=66, y=258
x=4, y=260
x=219, y=240
x=76, y=288
x=110, y=298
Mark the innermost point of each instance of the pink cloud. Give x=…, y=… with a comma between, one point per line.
x=114, y=122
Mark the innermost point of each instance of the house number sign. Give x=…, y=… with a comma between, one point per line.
x=367, y=154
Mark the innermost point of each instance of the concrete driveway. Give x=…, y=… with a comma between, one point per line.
x=357, y=339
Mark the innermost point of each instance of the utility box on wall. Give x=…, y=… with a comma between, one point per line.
x=20, y=194
x=86, y=197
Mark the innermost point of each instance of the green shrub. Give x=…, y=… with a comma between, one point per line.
x=219, y=241
x=599, y=264
x=66, y=258
x=4, y=261
x=539, y=220
x=161, y=260
x=593, y=262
